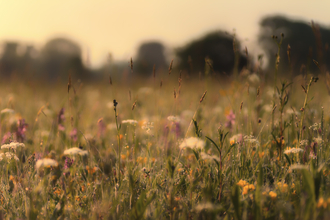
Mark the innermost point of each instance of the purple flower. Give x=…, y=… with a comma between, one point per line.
x=6, y=139
x=73, y=134
x=21, y=129
x=177, y=129
x=101, y=128
x=68, y=162
x=230, y=120
x=60, y=120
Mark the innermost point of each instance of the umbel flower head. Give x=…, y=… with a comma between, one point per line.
x=45, y=162
x=130, y=121
x=193, y=143
x=12, y=145
x=75, y=151
x=9, y=156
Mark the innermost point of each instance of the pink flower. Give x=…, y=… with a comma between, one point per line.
x=73, y=134
x=21, y=129
x=60, y=120
x=230, y=120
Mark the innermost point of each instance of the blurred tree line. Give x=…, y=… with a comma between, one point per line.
x=302, y=42
x=217, y=52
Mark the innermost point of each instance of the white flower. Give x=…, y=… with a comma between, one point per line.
x=147, y=126
x=129, y=121
x=11, y=156
x=173, y=118
x=236, y=138
x=46, y=162
x=12, y=145
x=74, y=151
x=193, y=143
x=145, y=91
x=254, y=79
x=293, y=151
x=7, y=110
x=209, y=157
x=251, y=139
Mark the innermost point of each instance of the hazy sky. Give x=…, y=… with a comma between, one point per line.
x=118, y=27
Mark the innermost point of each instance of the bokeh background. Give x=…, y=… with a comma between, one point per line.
x=49, y=40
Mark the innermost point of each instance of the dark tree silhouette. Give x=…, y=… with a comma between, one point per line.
x=307, y=42
x=150, y=54
x=217, y=48
x=61, y=57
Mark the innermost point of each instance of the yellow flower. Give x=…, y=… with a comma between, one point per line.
x=272, y=195
x=321, y=203
x=293, y=185
x=123, y=157
x=261, y=154
x=245, y=191
x=283, y=187
x=248, y=188
x=242, y=183
x=232, y=142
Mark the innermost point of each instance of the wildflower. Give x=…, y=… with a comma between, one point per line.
x=312, y=155
x=242, y=183
x=283, y=187
x=322, y=203
x=123, y=157
x=208, y=157
x=73, y=135
x=21, y=129
x=247, y=188
x=261, y=154
x=232, y=142
x=251, y=139
x=237, y=138
x=74, y=151
x=11, y=156
x=147, y=126
x=12, y=145
x=193, y=143
x=6, y=138
x=101, y=128
x=130, y=121
x=293, y=150
x=173, y=118
x=68, y=162
x=230, y=120
x=254, y=79
x=272, y=195
x=46, y=162
x=60, y=120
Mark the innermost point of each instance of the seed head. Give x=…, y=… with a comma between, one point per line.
x=170, y=68
x=203, y=96
x=115, y=103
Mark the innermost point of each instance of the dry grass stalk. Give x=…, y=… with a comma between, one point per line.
x=133, y=106
x=69, y=83
x=203, y=96
x=110, y=80
x=131, y=64
x=170, y=68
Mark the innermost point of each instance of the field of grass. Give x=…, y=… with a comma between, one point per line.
x=170, y=149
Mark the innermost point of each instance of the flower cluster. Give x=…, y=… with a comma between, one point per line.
x=192, y=143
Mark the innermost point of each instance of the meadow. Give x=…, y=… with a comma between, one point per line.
x=166, y=148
